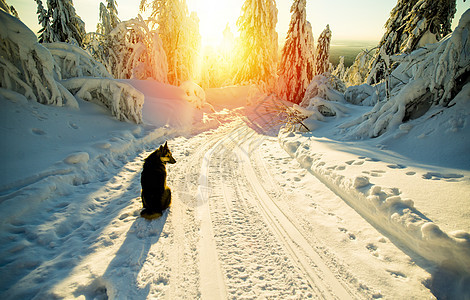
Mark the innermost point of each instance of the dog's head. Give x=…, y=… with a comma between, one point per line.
x=163, y=154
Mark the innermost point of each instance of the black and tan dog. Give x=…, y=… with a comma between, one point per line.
x=156, y=195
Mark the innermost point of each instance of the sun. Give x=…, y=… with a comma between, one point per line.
x=214, y=15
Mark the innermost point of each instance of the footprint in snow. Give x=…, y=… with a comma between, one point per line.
x=38, y=131
x=397, y=274
x=73, y=125
x=397, y=166
x=351, y=236
x=440, y=176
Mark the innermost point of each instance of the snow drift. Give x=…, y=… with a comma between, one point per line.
x=124, y=101
x=49, y=73
x=382, y=206
x=73, y=61
x=27, y=67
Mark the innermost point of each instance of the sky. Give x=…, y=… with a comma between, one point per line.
x=358, y=20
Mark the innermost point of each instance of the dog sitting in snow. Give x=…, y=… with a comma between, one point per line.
x=156, y=195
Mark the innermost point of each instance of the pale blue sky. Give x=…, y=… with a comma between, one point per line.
x=348, y=20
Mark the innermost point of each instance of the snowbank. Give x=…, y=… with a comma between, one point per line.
x=194, y=93
x=354, y=179
x=73, y=61
x=27, y=67
x=124, y=101
x=168, y=105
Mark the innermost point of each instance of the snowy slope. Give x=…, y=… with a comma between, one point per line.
x=412, y=182
x=247, y=220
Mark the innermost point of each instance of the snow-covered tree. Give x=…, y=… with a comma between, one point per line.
x=180, y=36
x=322, y=54
x=108, y=17
x=60, y=23
x=429, y=22
x=297, y=61
x=430, y=77
x=28, y=68
x=411, y=25
x=73, y=61
x=340, y=69
x=357, y=73
x=257, y=44
x=131, y=50
x=8, y=9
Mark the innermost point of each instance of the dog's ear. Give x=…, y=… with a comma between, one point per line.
x=166, y=145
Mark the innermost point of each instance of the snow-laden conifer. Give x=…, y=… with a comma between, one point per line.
x=297, y=61
x=179, y=32
x=108, y=18
x=60, y=23
x=132, y=50
x=8, y=9
x=412, y=24
x=27, y=67
x=322, y=54
x=340, y=70
x=257, y=47
x=428, y=77
x=73, y=61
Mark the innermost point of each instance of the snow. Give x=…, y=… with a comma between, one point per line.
x=82, y=235
x=27, y=67
x=73, y=61
x=257, y=211
x=124, y=101
x=195, y=94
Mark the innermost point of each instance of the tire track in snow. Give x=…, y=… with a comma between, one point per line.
x=212, y=277
x=300, y=249
x=255, y=263
x=259, y=256
x=189, y=210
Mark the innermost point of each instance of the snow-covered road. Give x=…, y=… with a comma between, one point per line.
x=246, y=222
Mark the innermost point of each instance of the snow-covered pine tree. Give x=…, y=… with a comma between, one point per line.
x=135, y=51
x=429, y=22
x=340, y=69
x=322, y=54
x=113, y=13
x=412, y=24
x=257, y=46
x=60, y=23
x=27, y=67
x=392, y=39
x=45, y=33
x=431, y=78
x=8, y=9
x=108, y=18
x=179, y=32
x=297, y=61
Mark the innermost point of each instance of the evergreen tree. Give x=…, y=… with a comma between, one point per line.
x=429, y=21
x=8, y=9
x=322, y=55
x=297, y=61
x=60, y=23
x=179, y=32
x=257, y=48
x=108, y=17
x=45, y=33
x=412, y=24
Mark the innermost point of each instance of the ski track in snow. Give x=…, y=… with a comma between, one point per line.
x=234, y=230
